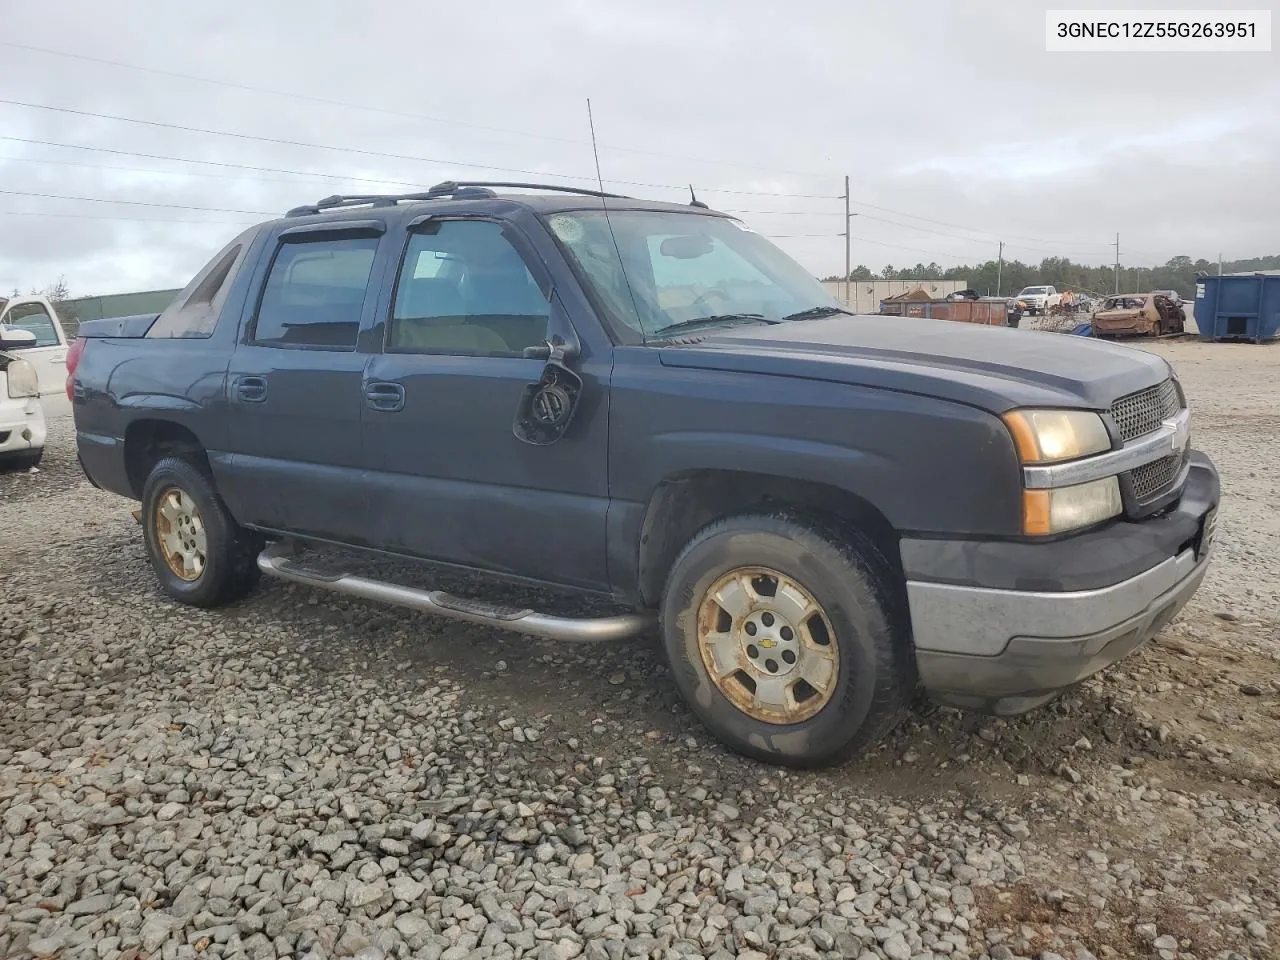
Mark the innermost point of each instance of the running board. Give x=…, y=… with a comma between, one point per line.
x=275, y=562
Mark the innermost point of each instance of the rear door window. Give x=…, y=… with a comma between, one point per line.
x=315, y=293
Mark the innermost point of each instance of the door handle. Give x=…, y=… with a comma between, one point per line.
x=252, y=389
x=384, y=396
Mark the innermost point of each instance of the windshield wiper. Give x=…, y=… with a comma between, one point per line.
x=717, y=319
x=814, y=313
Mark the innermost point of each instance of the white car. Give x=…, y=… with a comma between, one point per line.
x=22, y=428
x=48, y=354
x=1039, y=300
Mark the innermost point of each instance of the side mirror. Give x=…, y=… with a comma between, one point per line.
x=13, y=338
x=547, y=407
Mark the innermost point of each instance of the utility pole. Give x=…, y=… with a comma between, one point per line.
x=848, y=287
x=1117, y=246
x=999, y=267
x=1219, y=263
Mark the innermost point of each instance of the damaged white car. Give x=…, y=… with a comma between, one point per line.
x=22, y=426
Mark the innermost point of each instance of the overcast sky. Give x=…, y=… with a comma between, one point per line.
x=955, y=126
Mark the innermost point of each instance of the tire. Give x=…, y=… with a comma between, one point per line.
x=22, y=461
x=229, y=569
x=852, y=584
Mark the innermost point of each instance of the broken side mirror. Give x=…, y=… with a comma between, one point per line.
x=547, y=406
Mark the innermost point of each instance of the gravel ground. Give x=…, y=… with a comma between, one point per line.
x=307, y=776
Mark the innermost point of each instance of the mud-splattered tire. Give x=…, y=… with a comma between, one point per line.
x=199, y=553
x=865, y=657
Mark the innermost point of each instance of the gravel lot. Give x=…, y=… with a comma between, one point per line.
x=304, y=776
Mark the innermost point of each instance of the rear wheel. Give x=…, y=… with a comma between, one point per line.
x=786, y=639
x=199, y=553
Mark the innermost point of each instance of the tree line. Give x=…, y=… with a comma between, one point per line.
x=1178, y=274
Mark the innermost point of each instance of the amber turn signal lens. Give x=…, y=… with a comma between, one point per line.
x=1035, y=513
x=1063, y=509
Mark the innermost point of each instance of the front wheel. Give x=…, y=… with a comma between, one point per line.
x=199, y=553
x=788, y=640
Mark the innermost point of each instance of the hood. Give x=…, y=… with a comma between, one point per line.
x=994, y=368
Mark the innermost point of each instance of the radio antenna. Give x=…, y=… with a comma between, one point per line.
x=604, y=203
x=595, y=151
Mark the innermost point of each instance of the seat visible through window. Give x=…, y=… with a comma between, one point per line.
x=465, y=290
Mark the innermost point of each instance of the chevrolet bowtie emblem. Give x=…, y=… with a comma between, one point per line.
x=768, y=644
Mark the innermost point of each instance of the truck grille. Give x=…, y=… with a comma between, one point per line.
x=1140, y=413
x=1153, y=479
x=1135, y=416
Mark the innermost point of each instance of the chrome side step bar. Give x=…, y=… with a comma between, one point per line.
x=276, y=562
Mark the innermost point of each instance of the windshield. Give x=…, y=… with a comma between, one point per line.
x=684, y=267
x=1033, y=291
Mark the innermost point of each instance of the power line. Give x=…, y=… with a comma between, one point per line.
x=181, y=206
x=387, y=111
x=932, y=253
x=266, y=213
x=212, y=163
x=883, y=243
x=138, y=203
x=784, y=213
x=898, y=223
x=337, y=176
x=957, y=226
x=94, y=216
x=314, y=178
x=280, y=141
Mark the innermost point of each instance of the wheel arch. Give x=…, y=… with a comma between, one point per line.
x=683, y=504
x=148, y=440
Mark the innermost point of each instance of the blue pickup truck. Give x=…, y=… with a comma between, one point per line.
x=822, y=515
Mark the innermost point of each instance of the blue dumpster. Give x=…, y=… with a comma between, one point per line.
x=1238, y=307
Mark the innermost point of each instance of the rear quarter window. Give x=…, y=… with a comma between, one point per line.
x=194, y=312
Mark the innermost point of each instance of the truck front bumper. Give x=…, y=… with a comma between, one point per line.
x=22, y=426
x=1005, y=627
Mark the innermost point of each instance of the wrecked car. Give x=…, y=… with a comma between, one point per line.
x=1138, y=315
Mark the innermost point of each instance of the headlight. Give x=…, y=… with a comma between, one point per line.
x=1062, y=509
x=1051, y=436
x=22, y=379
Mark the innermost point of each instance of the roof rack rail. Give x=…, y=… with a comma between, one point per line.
x=451, y=189
x=455, y=188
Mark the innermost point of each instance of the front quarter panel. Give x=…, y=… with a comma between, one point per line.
x=931, y=467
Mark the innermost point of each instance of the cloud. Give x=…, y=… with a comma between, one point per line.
x=956, y=128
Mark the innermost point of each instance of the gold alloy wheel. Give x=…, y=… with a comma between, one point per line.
x=768, y=645
x=180, y=534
